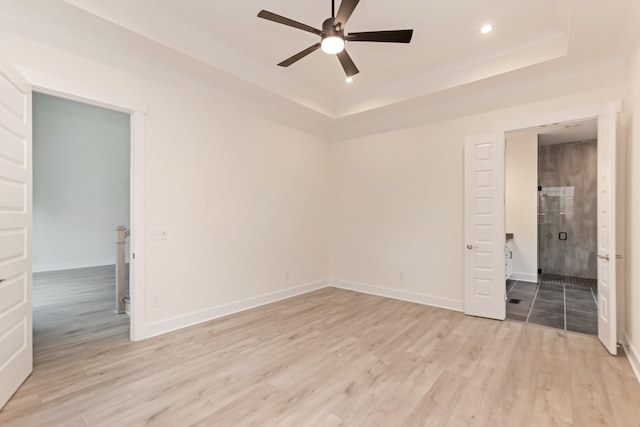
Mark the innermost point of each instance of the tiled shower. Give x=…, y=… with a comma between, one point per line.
x=567, y=209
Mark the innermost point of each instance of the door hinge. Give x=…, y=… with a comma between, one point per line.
x=539, y=188
x=133, y=255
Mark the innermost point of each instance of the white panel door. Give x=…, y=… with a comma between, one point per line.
x=607, y=331
x=484, y=193
x=16, y=354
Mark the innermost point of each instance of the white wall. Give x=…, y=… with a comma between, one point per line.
x=398, y=202
x=80, y=182
x=522, y=202
x=632, y=252
x=244, y=201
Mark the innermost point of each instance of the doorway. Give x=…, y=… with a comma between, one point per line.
x=16, y=218
x=135, y=110
x=485, y=235
x=554, y=251
x=81, y=193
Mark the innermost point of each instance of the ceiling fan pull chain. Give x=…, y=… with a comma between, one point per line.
x=333, y=8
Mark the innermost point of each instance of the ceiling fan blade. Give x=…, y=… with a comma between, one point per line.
x=298, y=56
x=344, y=12
x=395, y=36
x=270, y=16
x=347, y=63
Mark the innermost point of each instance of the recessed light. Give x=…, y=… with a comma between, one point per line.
x=486, y=29
x=349, y=80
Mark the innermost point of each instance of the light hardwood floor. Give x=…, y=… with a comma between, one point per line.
x=328, y=358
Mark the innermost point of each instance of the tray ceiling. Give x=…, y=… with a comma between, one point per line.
x=447, y=51
x=448, y=63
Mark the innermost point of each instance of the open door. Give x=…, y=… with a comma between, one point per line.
x=484, y=194
x=607, y=330
x=16, y=341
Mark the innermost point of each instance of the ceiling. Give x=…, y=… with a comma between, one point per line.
x=543, y=48
x=447, y=52
x=561, y=133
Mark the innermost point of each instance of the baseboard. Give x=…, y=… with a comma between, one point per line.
x=524, y=277
x=72, y=265
x=449, y=304
x=179, y=322
x=632, y=354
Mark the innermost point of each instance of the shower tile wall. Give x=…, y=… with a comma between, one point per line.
x=573, y=166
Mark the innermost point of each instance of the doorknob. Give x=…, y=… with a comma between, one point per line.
x=604, y=257
x=469, y=246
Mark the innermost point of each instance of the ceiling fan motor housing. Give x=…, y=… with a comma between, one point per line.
x=330, y=30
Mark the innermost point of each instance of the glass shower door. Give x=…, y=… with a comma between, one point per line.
x=555, y=210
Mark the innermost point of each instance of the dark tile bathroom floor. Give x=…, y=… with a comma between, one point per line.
x=561, y=306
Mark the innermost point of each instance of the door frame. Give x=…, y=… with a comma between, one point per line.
x=107, y=97
x=586, y=112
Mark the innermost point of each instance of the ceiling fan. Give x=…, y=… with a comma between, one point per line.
x=333, y=38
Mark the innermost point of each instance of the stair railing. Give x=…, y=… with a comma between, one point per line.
x=122, y=233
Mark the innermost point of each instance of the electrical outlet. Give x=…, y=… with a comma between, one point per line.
x=401, y=276
x=160, y=234
x=287, y=275
x=155, y=300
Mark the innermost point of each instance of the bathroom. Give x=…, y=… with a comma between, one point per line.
x=551, y=218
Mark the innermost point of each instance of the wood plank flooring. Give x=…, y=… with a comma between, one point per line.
x=327, y=358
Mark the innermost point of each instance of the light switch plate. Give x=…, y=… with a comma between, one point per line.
x=160, y=235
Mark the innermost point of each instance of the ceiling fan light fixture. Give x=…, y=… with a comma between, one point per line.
x=349, y=80
x=486, y=29
x=332, y=44
x=333, y=37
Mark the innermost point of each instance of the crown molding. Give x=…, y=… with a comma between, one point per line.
x=483, y=97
